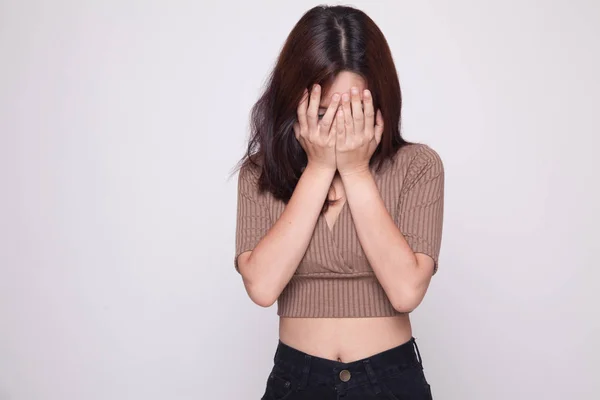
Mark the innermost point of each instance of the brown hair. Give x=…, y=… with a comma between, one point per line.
x=325, y=41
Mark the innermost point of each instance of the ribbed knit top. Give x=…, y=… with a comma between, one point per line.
x=334, y=278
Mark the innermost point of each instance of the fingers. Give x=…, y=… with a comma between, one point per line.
x=327, y=120
x=348, y=123
x=340, y=128
x=369, y=113
x=378, y=126
x=312, y=114
x=357, y=112
x=333, y=131
x=302, y=107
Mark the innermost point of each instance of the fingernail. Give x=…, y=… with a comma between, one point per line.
x=366, y=93
x=345, y=97
x=354, y=90
x=336, y=97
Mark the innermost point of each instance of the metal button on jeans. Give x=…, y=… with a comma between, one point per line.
x=345, y=375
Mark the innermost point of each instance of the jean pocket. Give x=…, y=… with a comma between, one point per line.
x=280, y=384
x=409, y=384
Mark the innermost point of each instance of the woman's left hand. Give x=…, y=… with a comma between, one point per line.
x=358, y=133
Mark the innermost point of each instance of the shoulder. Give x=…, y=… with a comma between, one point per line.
x=417, y=164
x=249, y=183
x=417, y=154
x=248, y=179
x=415, y=159
x=249, y=172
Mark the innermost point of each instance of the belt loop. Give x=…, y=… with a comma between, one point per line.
x=418, y=353
x=305, y=371
x=372, y=376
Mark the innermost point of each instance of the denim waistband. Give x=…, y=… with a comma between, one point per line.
x=312, y=370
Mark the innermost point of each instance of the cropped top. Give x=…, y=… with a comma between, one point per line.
x=334, y=278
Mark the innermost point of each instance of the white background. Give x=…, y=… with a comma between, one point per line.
x=121, y=120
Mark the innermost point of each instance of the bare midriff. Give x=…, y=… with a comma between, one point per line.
x=345, y=339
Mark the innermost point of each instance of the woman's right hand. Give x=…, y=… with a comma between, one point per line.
x=317, y=137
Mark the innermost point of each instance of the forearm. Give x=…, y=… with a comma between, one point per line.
x=392, y=259
x=273, y=261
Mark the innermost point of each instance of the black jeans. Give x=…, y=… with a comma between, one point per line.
x=394, y=374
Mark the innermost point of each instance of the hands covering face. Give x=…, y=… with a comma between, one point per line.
x=346, y=136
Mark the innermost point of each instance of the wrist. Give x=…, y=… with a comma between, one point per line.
x=357, y=180
x=357, y=170
x=320, y=169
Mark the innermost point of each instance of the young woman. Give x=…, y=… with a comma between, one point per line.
x=339, y=218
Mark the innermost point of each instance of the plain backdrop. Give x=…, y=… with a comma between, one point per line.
x=120, y=122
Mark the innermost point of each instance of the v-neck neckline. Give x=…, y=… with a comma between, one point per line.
x=331, y=230
x=332, y=236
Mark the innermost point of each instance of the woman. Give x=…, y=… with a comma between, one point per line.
x=339, y=218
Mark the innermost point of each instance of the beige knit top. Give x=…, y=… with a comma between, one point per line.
x=334, y=278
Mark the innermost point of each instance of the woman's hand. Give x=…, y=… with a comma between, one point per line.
x=316, y=137
x=358, y=133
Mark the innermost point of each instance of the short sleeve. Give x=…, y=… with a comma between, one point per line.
x=421, y=206
x=253, y=219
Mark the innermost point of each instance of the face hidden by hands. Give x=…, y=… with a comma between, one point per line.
x=344, y=133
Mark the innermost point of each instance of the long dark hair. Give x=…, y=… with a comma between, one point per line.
x=324, y=42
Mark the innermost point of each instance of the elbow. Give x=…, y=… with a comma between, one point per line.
x=260, y=293
x=260, y=288
x=404, y=308
x=407, y=302
x=261, y=297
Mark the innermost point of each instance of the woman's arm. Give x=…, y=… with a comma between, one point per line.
x=270, y=265
x=404, y=269
x=267, y=269
x=404, y=273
